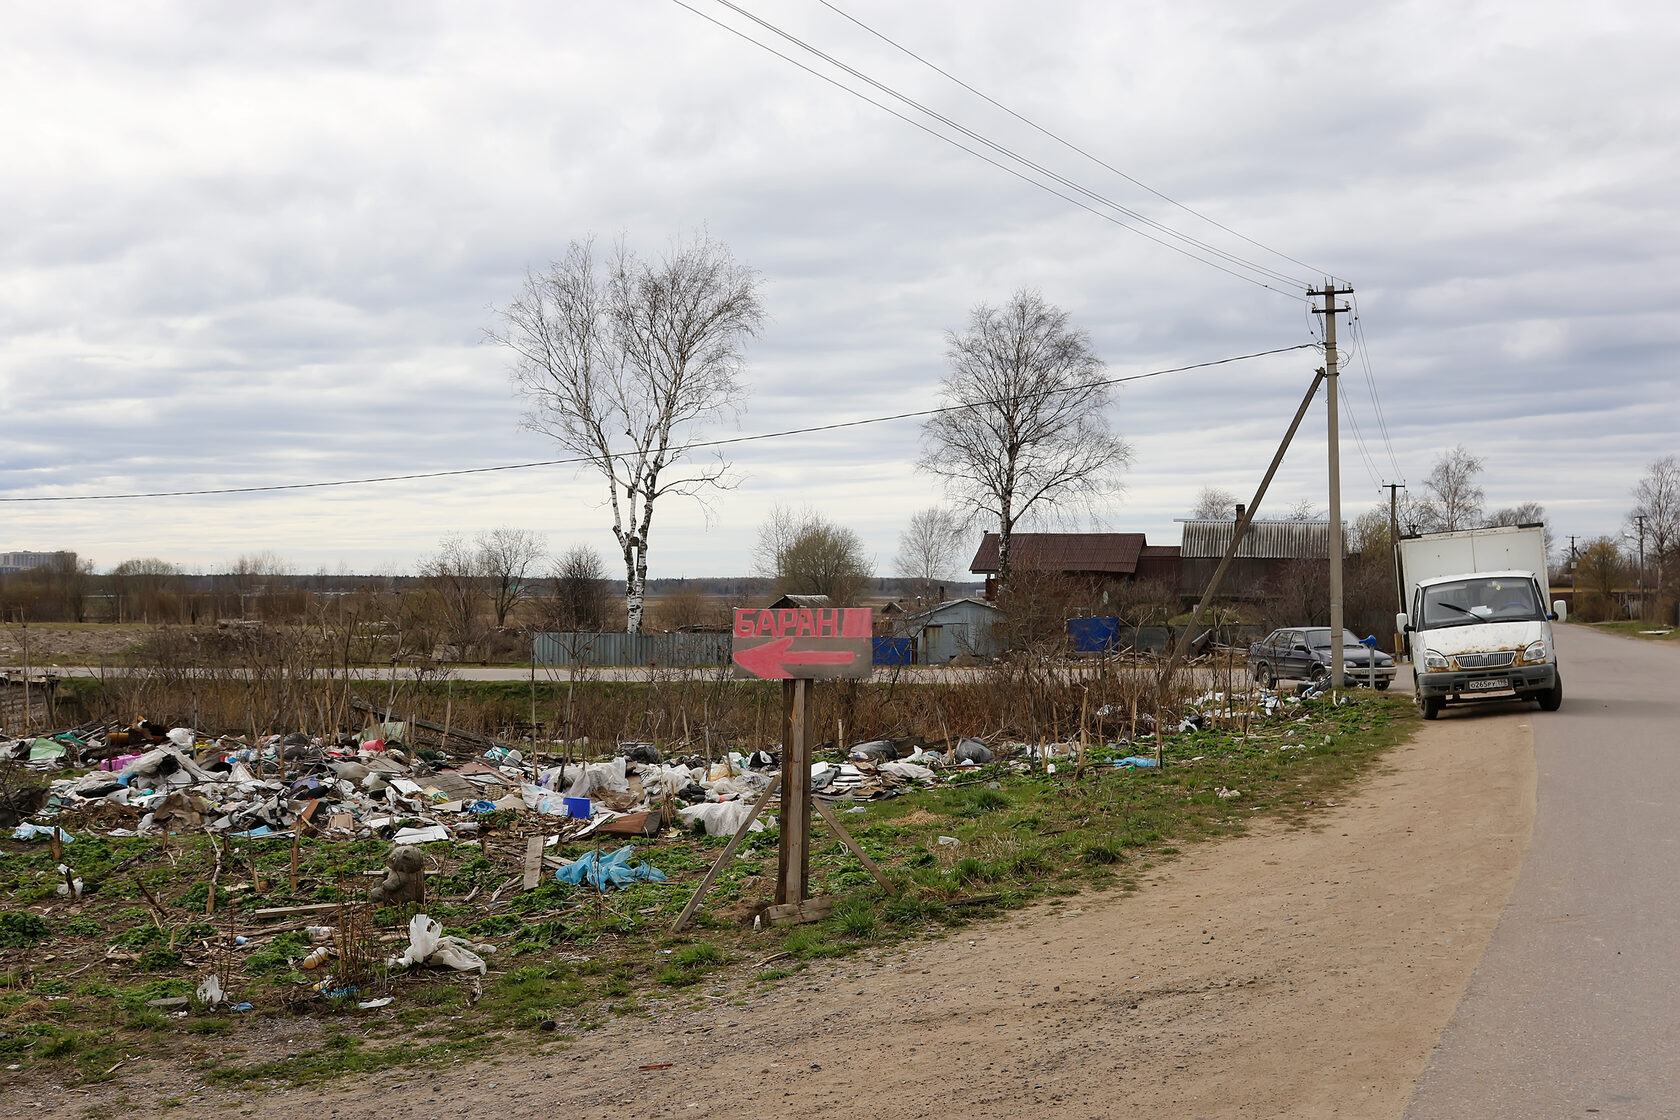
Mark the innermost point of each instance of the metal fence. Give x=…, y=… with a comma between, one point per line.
x=650, y=650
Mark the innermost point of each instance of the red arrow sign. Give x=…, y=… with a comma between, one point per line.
x=773, y=659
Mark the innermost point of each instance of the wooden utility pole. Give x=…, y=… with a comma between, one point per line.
x=1330, y=310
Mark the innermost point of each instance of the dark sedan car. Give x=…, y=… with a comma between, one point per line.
x=1303, y=652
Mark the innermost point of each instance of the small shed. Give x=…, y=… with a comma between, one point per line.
x=802, y=602
x=956, y=628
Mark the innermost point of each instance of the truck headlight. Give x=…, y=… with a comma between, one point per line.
x=1535, y=651
x=1434, y=662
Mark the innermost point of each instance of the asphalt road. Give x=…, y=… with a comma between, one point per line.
x=1575, y=1007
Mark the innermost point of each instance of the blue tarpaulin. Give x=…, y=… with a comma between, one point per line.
x=1094, y=635
x=603, y=871
x=893, y=651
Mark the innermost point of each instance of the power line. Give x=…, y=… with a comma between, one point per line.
x=1070, y=145
x=1005, y=167
x=1007, y=152
x=1364, y=352
x=698, y=445
x=1358, y=439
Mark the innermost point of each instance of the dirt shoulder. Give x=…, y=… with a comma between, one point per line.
x=1283, y=973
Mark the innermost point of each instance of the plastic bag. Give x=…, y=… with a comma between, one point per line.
x=600, y=775
x=603, y=871
x=210, y=991
x=428, y=945
x=721, y=818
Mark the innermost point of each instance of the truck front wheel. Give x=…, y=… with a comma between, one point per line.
x=1552, y=699
x=1429, y=707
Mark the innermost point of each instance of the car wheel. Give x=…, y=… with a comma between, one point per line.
x=1319, y=672
x=1382, y=686
x=1263, y=676
x=1429, y=707
x=1552, y=699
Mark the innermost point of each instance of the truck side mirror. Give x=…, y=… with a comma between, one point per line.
x=1560, y=611
x=1403, y=623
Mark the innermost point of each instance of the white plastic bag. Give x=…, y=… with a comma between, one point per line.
x=428, y=945
x=721, y=818
x=600, y=775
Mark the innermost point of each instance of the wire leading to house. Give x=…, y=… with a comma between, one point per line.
x=696, y=446
x=1270, y=285
x=1068, y=144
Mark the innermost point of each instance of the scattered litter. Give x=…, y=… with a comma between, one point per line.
x=374, y=1004
x=973, y=750
x=426, y=835
x=1224, y=793
x=949, y=841
x=1136, y=761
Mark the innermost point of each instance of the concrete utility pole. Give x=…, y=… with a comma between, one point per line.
x=1394, y=489
x=1330, y=311
x=1640, y=517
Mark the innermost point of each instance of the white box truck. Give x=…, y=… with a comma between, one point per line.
x=1478, y=625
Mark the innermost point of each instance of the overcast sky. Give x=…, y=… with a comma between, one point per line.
x=248, y=245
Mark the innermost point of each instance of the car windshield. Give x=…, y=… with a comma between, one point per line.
x=1320, y=639
x=1465, y=602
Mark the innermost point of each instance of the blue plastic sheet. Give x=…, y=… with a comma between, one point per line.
x=1136, y=761
x=603, y=871
x=27, y=831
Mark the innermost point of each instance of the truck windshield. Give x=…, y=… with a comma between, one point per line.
x=1465, y=602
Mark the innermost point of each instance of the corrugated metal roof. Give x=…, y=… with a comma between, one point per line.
x=1062, y=552
x=1265, y=540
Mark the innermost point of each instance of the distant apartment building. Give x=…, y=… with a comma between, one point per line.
x=14, y=562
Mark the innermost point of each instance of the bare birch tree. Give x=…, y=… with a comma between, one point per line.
x=1215, y=504
x=1026, y=427
x=929, y=549
x=625, y=361
x=1454, y=500
x=1656, y=498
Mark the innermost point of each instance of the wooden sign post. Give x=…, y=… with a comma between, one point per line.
x=797, y=647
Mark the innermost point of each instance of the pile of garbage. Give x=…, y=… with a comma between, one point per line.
x=148, y=779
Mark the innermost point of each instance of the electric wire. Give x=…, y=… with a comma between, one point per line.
x=1070, y=145
x=1047, y=188
x=1358, y=439
x=697, y=445
x=1007, y=152
x=1371, y=382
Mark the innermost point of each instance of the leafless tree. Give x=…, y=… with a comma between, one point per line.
x=579, y=590
x=930, y=549
x=1025, y=430
x=1656, y=498
x=1215, y=504
x=624, y=362
x=1524, y=513
x=456, y=578
x=505, y=559
x=806, y=554
x=1452, y=500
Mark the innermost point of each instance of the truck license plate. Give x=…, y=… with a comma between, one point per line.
x=1485, y=686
